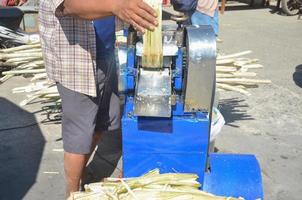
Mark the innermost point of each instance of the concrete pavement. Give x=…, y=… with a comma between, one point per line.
x=268, y=123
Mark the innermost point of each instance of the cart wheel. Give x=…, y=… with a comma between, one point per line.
x=290, y=7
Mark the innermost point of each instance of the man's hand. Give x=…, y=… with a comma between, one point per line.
x=137, y=13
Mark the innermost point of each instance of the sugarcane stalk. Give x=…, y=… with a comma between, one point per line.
x=252, y=66
x=235, y=75
x=232, y=88
x=38, y=94
x=225, y=69
x=49, y=90
x=152, y=173
x=152, y=40
x=15, y=72
x=220, y=57
x=173, y=179
x=32, y=87
x=242, y=63
x=244, y=74
x=51, y=95
x=34, y=50
x=128, y=189
x=146, y=188
x=7, y=64
x=31, y=65
x=218, y=40
x=224, y=75
x=242, y=81
x=38, y=76
x=5, y=78
x=39, y=62
x=22, y=60
x=20, y=55
x=19, y=48
x=28, y=100
x=225, y=61
x=220, y=90
x=25, y=53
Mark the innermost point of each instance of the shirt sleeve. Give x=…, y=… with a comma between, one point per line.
x=57, y=7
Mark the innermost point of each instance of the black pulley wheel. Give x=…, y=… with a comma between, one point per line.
x=290, y=7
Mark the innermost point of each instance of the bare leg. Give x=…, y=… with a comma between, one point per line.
x=73, y=166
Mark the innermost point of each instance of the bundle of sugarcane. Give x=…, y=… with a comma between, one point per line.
x=21, y=60
x=9, y=37
x=27, y=60
x=151, y=186
x=232, y=73
x=46, y=90
x=153, y=47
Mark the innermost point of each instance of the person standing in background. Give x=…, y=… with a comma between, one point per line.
x=206, y=14
x=201, y=12
x=12, y=2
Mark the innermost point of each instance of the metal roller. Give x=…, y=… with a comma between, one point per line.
x=201, y=68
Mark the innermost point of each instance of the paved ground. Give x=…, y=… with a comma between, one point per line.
x=267, y=124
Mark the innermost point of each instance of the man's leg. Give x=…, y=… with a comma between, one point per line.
x=78, y=127
x=73, y=167
x=96, y=139
x=108, y=117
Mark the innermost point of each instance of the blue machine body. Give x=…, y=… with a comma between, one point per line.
x=180, y=144
x=150, y=143
x=178, y=71
x=131, y=70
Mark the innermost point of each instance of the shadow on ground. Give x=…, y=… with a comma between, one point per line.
x=297, y=76
x=21, y=148
x=233, y=110
x=105, y=161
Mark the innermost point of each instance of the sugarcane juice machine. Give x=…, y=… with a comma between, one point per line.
x=167, y=114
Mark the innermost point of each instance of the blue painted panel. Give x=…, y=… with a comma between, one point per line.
x=164, y=135
x=178, y=69
x=130, y=82
x=179, y=134
x=131, y=57
x=178, y=109
x=234, y=175
x=130, y=68
x=171, y=144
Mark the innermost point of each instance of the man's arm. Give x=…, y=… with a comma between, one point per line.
x=134, y=12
